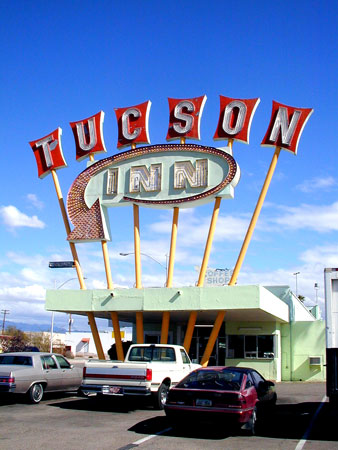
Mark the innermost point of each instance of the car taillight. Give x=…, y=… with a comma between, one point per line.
x=7, y=380
x=238, y=403
x=149, y=375
x=84, y=372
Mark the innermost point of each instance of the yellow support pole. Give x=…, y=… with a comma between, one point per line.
x=255, y=216
x=137, y=247
x=110, y=284
x=113, y=314
x=66, y=223
x=90, y=315
x=96, y=335
x=193, y=314
x=117, y=334
x=221, y=314
x=190, y=330
x=166, y=314
x=212, y=338
x=172, y=247
x=165, y=327
x=137, y=253
x=209, y=242
x=139, y=328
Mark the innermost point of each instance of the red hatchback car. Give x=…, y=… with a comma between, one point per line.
x=232, y=394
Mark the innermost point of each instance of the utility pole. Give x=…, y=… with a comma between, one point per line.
x=4, y=312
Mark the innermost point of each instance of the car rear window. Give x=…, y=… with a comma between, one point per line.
x=163, y=354
x=16, y=360
x=229, y=380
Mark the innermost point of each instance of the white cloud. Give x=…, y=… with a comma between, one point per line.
x=193, y=230
x=33, y=199
x=318, y=218
x=13, y=218
x=317, y=183
x=24, y=294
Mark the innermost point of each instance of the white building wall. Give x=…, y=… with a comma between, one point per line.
x=82, y=343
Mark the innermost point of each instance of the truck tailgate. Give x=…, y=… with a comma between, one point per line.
x=110, y=373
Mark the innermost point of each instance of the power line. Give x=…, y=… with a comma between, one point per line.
x=4, y=312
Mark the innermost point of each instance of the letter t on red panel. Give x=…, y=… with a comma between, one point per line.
x=235, y=118
x=132, y=124
x=185, y=117
x=286, y=126
x=88, y=135
x=48, y=153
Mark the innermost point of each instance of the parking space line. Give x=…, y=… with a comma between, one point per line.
x=147, y=438
x=151, y=436
x=302, y=442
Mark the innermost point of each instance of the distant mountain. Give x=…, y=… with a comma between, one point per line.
x=56, y=329
x=34, y=327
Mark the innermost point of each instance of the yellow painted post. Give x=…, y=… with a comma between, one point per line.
x=172, y=247
x=165, y=327
x=110, y=284
x=190, y=330
x=113, y=314
x=166, y=314
x=221, y=314
x=137, y=247
x=255, y=216
x=137, y=253
x=212, y=339
x=90, y=315
x=139, y=328
x=209, y=242
x=66, y=223
x=96, y=335
x=117, y=334
x=192, y=319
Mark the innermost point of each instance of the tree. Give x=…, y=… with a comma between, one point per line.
x=301, y=298
x=17, y=341
x=40, y=340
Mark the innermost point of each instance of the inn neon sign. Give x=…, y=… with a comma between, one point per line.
x=171, y=176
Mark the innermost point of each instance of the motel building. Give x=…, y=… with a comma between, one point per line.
x=265, y=327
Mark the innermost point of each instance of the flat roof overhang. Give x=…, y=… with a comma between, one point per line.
x=241, y=303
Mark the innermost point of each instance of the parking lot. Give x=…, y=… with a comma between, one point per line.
x=70, y=422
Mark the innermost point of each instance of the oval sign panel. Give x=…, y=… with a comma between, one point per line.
x=156, y=176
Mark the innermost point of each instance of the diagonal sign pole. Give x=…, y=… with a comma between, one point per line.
x=110, y=285
x=221, y=314
x=90, y=315
x=284, y=131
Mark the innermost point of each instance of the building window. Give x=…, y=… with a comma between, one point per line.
x=251, y=346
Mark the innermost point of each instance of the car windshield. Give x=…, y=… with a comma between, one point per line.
x=16, y=360
x=227, y=380
x=165, y=354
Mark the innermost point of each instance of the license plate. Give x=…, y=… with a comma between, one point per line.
x=112, y=390
x=203, y=402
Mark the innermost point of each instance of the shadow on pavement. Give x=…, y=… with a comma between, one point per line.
x=287, y=421
x=103, y=404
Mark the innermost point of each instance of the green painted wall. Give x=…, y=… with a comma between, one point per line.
x=299, y=341
x=267, y=367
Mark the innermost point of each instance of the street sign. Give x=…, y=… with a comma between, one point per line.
x=61, y=264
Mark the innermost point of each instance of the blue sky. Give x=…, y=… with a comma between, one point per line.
x=63, y=61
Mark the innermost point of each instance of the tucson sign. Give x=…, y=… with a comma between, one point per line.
x=159, y=176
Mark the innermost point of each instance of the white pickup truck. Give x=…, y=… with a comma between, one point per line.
x=148, y=370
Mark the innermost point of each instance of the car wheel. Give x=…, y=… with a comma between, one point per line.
x=161, y=396
x=252, y=424
x=35, y=393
